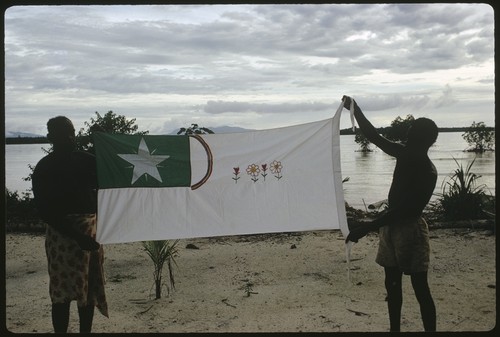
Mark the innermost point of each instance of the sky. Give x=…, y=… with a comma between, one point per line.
x=249, y=66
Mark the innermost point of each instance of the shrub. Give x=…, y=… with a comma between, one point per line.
x=363, y=142
x=479, y=137
x=20, y=212
x=461, y=198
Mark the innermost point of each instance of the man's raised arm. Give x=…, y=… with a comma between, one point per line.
x=391, y=148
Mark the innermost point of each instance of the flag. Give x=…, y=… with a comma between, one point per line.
x=159, y=187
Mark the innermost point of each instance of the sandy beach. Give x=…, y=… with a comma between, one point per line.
x=294, y=282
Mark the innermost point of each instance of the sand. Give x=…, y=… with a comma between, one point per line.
x=293, y=282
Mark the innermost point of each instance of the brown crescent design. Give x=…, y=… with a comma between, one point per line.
x=210, y=162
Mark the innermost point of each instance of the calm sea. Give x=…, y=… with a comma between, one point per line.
x=370, y=174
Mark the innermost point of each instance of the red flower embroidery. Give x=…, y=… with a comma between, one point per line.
x=236, y=171
x=264, y=169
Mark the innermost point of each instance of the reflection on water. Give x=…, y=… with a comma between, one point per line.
x=370, y=174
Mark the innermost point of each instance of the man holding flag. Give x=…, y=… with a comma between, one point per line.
x=404, y=236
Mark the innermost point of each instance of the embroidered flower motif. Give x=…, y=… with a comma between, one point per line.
x=264, y=169
x=253, y=170
x=276, y=168
x=236, y=171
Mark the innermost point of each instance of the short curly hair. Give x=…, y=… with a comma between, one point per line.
x=56, y=123
x=423, y=131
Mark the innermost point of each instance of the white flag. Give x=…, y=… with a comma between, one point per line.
x=170, y=187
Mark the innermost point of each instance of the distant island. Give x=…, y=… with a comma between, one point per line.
x=26, y=140
x=22, y=139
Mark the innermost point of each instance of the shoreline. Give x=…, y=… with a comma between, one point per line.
x=287, y=282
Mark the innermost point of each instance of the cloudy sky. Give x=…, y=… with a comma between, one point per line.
x=251, y=66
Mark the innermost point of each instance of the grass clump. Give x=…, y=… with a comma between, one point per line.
x=462, y=197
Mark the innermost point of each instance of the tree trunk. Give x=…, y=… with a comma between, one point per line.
x=158, y=288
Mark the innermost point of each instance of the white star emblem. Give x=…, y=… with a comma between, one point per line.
x=144, y=162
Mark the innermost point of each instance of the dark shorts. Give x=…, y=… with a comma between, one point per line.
x=405, y=245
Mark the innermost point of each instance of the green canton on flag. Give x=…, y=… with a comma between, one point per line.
x=142, y=161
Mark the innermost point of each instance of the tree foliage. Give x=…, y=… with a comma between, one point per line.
x=363, y=142
x=111, y=123
x=194, y=129
x=20, y=212
x=398, y=131
x=479, y=137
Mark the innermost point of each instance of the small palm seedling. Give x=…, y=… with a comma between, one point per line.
x=248, y=288
x=162, y=251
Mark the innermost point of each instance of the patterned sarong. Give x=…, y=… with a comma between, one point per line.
x=76, y=274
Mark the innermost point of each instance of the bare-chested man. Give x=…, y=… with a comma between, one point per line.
x=403, y=233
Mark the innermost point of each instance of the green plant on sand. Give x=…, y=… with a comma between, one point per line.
x=161, y=251
x=462, y=198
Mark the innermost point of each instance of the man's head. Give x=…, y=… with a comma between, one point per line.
x=61, y=133
x=422, y=133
